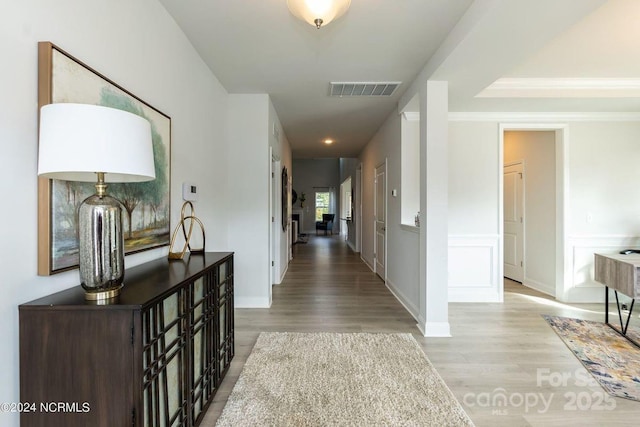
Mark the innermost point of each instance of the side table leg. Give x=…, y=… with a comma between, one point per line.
x=606, y=305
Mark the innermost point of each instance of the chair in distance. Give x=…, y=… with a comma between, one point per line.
x=326, y=224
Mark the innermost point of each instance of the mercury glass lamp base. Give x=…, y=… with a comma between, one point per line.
x=101, y=247
x=102, y=295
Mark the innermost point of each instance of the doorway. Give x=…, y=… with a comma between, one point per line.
x=380, y=218
x=358, y=208
x=345, y=207
x=533, y=255
x=276, y=211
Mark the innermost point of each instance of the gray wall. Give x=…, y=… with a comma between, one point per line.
x=310, y=173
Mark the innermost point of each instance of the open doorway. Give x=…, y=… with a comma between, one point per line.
x=533, y=206
x=380, y=218
x=345, y=207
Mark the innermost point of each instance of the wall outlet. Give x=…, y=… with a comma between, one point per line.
x=189, y=192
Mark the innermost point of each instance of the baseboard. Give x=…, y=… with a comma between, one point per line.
x=352, y=246
x=474, y=295
x=539, y=286
x=244, y=302
x=585, y=295
x=435, y=329
x=366, y=263
x=413, y=310
x=284, y=272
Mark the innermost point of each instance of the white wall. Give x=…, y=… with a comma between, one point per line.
x=249, y=164
x=403, y=266
x=536, y=151
x=474, y=162
x=602, y=212
x=410, y=196
x=604, y=202
x=137, y=45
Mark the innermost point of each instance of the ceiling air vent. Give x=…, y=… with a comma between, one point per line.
x=363, y=88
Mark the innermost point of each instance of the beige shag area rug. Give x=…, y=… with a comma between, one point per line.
x=351, y=379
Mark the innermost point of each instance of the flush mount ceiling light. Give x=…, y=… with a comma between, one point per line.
x=318, y=12
x=328, y=141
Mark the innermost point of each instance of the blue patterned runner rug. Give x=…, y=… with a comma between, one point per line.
x=612, y=360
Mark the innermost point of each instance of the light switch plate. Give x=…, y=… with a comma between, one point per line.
x=189, y=192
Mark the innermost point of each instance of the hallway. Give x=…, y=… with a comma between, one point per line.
x=495, y=348
x=328, y=288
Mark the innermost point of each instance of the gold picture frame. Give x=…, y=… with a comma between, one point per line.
x=146, y=206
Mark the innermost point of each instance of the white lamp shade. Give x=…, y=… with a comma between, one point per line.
x=78, y=140
x=310, y=10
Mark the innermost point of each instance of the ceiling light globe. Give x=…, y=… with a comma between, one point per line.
x=318, y=12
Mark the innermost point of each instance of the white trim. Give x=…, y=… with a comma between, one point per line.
x=509, y=87
x=406, y=303
x=410, y=228
x=545, y=288
x=574, y=83
x=579, y=289
x=283, y=274
x=366, y=263
x=435, y=329
x=562, y=210
x=411, y=116
x=488, y=287
x=359, y=187
x=562, y=197
x=251, y=302
x=542, y=117
x=606, y=237
x=375, y=219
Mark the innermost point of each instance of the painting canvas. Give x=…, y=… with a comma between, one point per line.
x=145, y=205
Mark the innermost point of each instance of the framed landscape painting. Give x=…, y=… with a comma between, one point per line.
x=145, y=213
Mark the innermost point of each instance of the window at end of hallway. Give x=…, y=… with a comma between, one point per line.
x=322, y=204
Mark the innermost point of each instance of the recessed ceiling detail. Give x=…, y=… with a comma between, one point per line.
x=341, y=89
x=562, y=87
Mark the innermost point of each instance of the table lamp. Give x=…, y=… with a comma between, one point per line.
x=91, y=143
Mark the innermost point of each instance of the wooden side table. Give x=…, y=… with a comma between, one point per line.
x=621, y=273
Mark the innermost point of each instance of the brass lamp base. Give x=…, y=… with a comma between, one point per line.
x=102, y=295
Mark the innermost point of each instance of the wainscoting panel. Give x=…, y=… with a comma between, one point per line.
x=474, y=270
x=582, y=286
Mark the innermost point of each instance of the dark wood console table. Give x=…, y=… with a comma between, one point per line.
x=621, y=273
x=154, y=357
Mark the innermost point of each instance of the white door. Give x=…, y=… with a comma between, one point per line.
x=514, y=222
x=357, y=215
x=380, y=220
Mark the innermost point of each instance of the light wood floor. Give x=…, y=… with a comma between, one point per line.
x=496, y=348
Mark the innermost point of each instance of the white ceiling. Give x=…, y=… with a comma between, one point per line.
x=257, y=46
